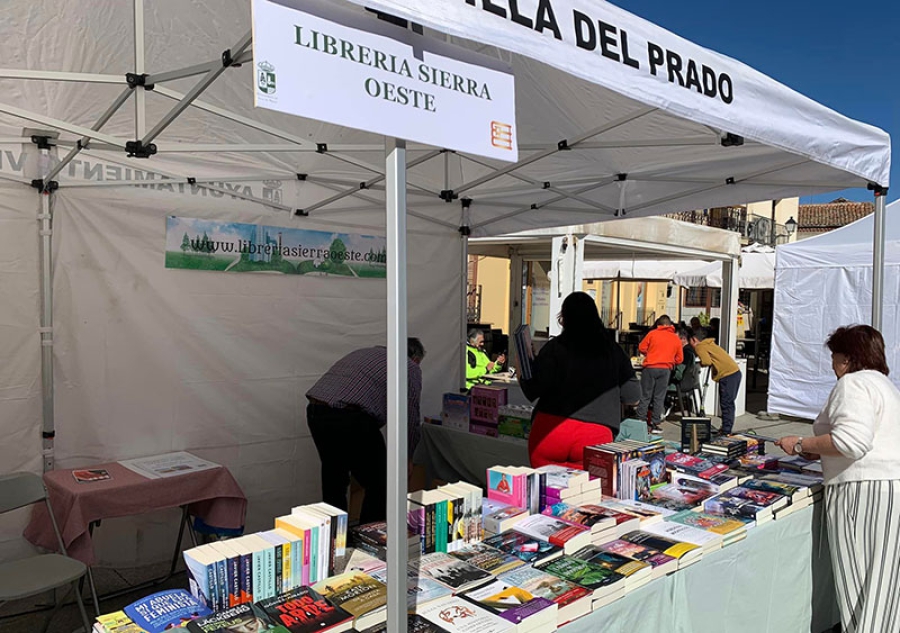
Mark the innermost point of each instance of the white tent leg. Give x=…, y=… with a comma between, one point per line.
x=515, y=298
x=464, y=310
x=878, y=263
x=397, y=385
x=730, y=289
x=140, y=98
x=46, y=329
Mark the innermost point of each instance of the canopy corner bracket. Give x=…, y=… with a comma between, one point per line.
x=878, y=190
x=135, y=80
x=137, y=149
x=732, y=140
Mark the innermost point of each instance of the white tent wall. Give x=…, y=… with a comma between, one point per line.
x=821, y=284
x=20, y=349
x=150, y=360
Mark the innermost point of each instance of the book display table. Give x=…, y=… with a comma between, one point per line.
x=451, y=455
x=778, y=580
x=210, y=495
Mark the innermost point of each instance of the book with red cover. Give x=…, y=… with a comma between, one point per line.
x=303, y=610
x=570, y=537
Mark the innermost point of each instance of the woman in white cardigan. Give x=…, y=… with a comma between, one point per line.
x=857, y=436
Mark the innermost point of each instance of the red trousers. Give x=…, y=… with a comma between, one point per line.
x=561, y=441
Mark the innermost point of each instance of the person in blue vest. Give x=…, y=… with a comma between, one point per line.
x=478, y=363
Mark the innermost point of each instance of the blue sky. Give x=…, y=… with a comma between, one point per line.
x=844, y=55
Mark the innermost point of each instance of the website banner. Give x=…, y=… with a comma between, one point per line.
x=233, y=247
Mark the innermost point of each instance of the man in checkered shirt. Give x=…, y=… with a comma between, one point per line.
x=347, y=408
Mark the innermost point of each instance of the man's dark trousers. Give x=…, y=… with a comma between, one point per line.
x=728, y=390
x=350, y=442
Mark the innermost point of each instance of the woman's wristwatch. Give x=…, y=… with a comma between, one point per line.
x=798, y=446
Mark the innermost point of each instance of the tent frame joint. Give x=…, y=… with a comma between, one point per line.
x=563, y=145
x=321, y=148
x=877, y=189
x=42, y=142
x=228, y=61
x=732, y=140
x=302, y=177
x=137, y=149
x=40, y=185
x=448, y=195
x=138, y=79
x=301, y=213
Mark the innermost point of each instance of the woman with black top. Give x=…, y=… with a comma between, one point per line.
x=580, y=379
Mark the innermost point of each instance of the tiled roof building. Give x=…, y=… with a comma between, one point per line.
x=821, y=218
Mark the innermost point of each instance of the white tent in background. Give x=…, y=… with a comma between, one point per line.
x=757, y=271
x=148, y=360
x=822, y=283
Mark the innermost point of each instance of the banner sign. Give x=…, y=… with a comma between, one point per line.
x=401, y=85
x=233, y=247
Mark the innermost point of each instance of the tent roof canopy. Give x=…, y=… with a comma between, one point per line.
x=647, y=239
x=598, y=139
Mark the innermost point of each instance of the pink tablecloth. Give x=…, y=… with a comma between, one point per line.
x=212, y=495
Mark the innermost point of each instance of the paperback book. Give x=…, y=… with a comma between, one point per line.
x=456, y=574
x=524, y=547
x=462, y=616
x=515, y=605
x=572, y=600
x=301, y=610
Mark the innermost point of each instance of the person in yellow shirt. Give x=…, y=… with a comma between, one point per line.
x=478, y=363
x=725, y=372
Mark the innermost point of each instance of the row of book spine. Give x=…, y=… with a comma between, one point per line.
x=300, y=550
x=445, y=519
x=604, y=462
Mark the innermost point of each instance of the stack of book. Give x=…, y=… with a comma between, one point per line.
x=526, y=548
x=707, y=541
x=414, y=624
x=604, y=584
x=601, y=521
x=757, y=505
x=645, y=513
x=451, y=572
x=634, y=480
x=569, y=537
x=487, y=558
x=447, y=518
x=527, y=612
x=497, y=516
x=798, y=496
x=565, y=485
x=727, y=446
x=517, y=485
x=693, y=465
x=372, y=539
x=797, y=464
x=358, y=594
x=731, y=529
x=635, y=573
x=682, y=495
x=161, y=611
x=661, y=564
x=301, y=550
x=604, y=462
x=484, y=409
x=685, y=553
x=718, y=483
x=301, y=610
x=752, y=462
x=419, y=590
x=572, y=600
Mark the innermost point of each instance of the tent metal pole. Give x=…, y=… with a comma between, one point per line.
x=195, y=92
x=61, y=125
x=464, y=310
x=106, y=116
x=140, y=110
x=878, y=262
x=196, y=69
x=561, y=146
x=46, y=329
x=729, y=301
x=53, y=75
x=397, y=553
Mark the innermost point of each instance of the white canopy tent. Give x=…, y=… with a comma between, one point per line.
x=601, y=136
x=822, y=283
x=757, y=271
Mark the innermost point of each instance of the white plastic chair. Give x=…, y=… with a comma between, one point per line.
x=41, y=573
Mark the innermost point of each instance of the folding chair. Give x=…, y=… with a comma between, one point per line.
x=41, y=573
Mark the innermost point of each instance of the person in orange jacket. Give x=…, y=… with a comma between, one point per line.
x=662, y=352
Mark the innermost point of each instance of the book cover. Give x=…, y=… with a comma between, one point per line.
x=684, y=533
x=506, y=487
x=670, y=547
x=414, y=624
x=498, y=516
x=763, y=498
x=709, y=522
x=303, y=610
x=734, y=506
x=511, y=603
x=487, y=558
x=449, y=571
x=243, y=617
x=455, y=412
x=360, y=560
x=688, y=492
x=165, y=610
x=355, y=592
x=419, y=589
x=524, y=547
x=543, y=585
x=777, y=487
x=694, y=432
x=614, y=562
x=200, y=563
x=86, y=475
x=462, y=616
x=553, y=530
x=581, y=572
x=588, y=516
